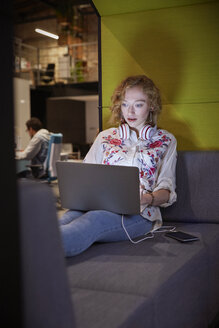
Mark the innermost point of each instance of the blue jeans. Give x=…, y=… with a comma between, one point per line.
x=79, y=230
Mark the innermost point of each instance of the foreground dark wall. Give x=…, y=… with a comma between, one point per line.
x=10, y=296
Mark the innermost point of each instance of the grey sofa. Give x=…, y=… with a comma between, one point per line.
x=159, y=283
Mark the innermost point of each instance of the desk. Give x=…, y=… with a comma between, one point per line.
x=72, y=155
x=75, y=160
x=21, y=165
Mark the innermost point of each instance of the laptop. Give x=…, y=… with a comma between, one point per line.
x=85, y=187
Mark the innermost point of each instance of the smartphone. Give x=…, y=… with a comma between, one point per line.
x=181, y=236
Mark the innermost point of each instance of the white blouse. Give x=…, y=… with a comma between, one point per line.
x=154, y=157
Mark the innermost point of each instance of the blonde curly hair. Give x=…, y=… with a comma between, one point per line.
x=149, y=89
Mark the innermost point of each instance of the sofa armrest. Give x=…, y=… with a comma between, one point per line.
x=46, y=294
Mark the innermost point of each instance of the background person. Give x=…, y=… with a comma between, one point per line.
x=37, y=149
x=136, y=104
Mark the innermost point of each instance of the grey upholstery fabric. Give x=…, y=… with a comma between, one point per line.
x=169, y=281
x=46, y=294
x=197, y=188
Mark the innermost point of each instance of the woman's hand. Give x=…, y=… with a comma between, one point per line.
x=156, y=198
x=145, y=198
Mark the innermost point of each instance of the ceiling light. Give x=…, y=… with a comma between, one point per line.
x=51, y=35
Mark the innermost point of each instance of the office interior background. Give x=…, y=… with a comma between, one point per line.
x=56, y=78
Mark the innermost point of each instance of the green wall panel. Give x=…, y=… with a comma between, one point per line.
x=114, y=7
x=178, y=48
x=115, y=62
x=194, y=125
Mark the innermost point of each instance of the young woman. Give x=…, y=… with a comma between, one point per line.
x=137, y=141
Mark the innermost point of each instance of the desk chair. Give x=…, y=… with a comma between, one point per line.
x=53, y=155
x=49, y=74
x=54, y=151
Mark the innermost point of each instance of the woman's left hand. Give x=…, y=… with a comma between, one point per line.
x=158, y=197
x=145, y=197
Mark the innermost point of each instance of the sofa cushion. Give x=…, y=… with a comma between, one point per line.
x=197, y=189
x=98, y=309
x=169, y=279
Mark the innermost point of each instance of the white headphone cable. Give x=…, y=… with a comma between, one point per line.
x=161, y=229
x=137, y=241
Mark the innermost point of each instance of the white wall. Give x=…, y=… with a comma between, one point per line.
x=21, y=111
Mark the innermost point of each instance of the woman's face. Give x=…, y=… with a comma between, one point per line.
x=135, y=108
